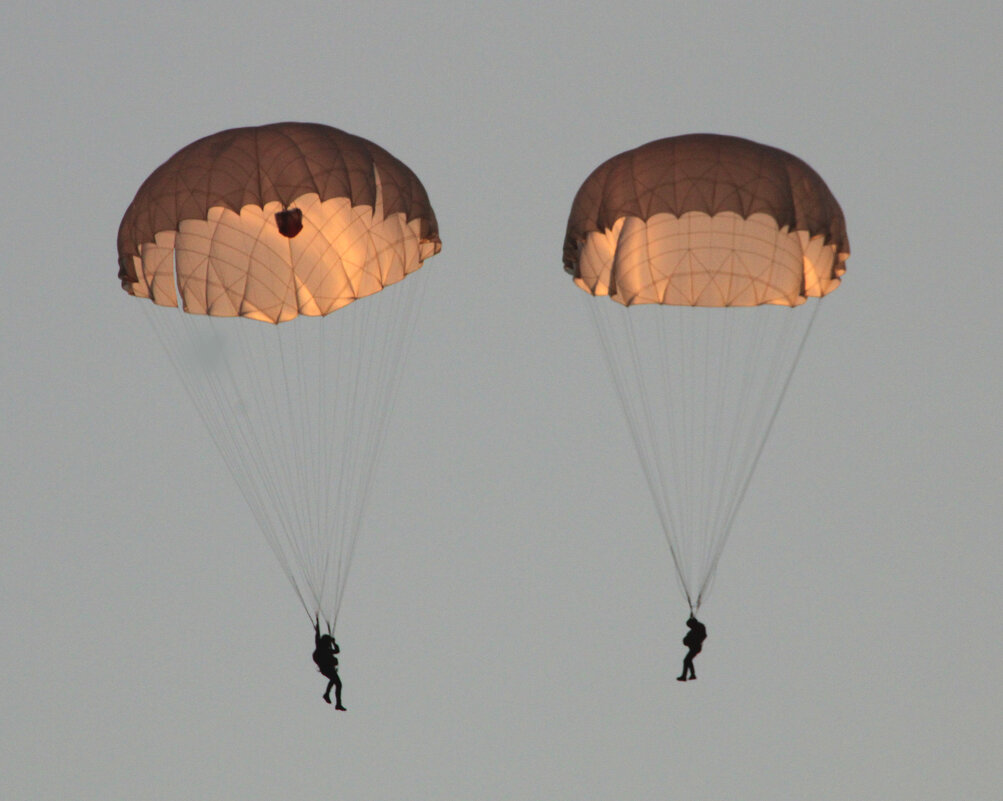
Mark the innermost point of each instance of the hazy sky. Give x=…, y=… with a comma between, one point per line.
x=511, y=629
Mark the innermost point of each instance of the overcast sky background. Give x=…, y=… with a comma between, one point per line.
x=511, y=628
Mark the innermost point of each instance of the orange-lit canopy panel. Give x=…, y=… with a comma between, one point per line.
x=706, y=220
x=207, y=224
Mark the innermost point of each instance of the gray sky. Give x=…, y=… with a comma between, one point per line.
x=511, y=629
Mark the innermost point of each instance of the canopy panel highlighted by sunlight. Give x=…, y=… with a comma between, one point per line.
x=276, y=224
x=710, y=247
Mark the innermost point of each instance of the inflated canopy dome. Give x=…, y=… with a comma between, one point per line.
x=706, y=220
x=274, y=221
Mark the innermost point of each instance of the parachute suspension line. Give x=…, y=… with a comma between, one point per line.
x=787, y=372
x=291, y=440
x=324, y=416
x=689, y=379
x=694, y=378
x=293, y=448
x=646, y=417
x=675, y=382
x=652, y=458
x=706, y=460
x=603, y=323
x=253, y=418
x=350, y=439
x=361, y=450
x=300, y=417
x=402, y=314
x=740, y=414
x=184, y=338
x=332, y=350
x=303, y=456
x=700, y=389
x=310, y=428
x=744, y=413
x=724, y=351
x=743, y=416
x=344, y=336
x=268, y=447
x=682, y=388
x=669, y=388
x=308, y=451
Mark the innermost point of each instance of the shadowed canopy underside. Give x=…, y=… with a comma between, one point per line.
x=706, y=220
x=274, y=221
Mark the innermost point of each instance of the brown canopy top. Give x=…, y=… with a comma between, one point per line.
x=708, y=173
x=278, y=162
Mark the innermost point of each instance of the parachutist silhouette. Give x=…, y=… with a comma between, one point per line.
x=327, y=662
x=694, y=641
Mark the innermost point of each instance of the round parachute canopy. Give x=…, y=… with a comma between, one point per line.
x=285, y=224
x=706, y=220
x=274, y=221
x=717, y=251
